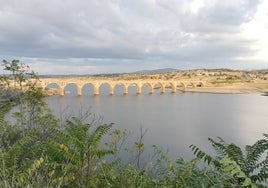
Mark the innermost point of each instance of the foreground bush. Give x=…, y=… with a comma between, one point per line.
x=74, y=157
x=248, y=168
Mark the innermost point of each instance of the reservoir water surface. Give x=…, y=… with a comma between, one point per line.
x=174, y=121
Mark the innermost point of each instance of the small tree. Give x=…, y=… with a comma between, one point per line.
x=76, y=152
x=20, y=73
x=28, y=97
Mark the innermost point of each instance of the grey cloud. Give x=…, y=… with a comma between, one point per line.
x=126, y=31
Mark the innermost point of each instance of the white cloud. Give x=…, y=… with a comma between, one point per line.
x=257, y=29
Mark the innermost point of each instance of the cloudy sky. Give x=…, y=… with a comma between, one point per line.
x=107, y=36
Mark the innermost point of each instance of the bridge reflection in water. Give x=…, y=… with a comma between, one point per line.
x=80, y=83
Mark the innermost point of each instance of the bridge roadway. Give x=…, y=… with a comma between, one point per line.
x=152, y=84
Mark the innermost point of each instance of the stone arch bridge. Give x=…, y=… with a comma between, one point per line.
x=173, y=85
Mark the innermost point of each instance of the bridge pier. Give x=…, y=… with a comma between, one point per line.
x=125, y=89
x=96, y=92
x=96, y=89
x=151, y=89
x=61, y=92
x=173, y=89
x=138, y=90
x=111, y=90
x=79, y=91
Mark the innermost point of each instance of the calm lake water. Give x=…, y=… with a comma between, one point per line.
x=174, y=121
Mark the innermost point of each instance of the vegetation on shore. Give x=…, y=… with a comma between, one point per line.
x=37, y=151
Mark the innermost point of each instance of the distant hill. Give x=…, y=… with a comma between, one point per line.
x=156, y=71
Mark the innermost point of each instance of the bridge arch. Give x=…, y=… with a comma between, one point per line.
x=71, y=84
x=191, y=85
x=160, y=86
x=110, y=87
x=88, y=88
x=172, y=86
x=52, y=88
x=124, y=88
x=200, y=84
x=150, y=86
x=49, y=85
x=181, y=86
x=138, y=87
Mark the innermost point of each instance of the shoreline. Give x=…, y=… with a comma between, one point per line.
x=223, y=92
x=230, y=89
